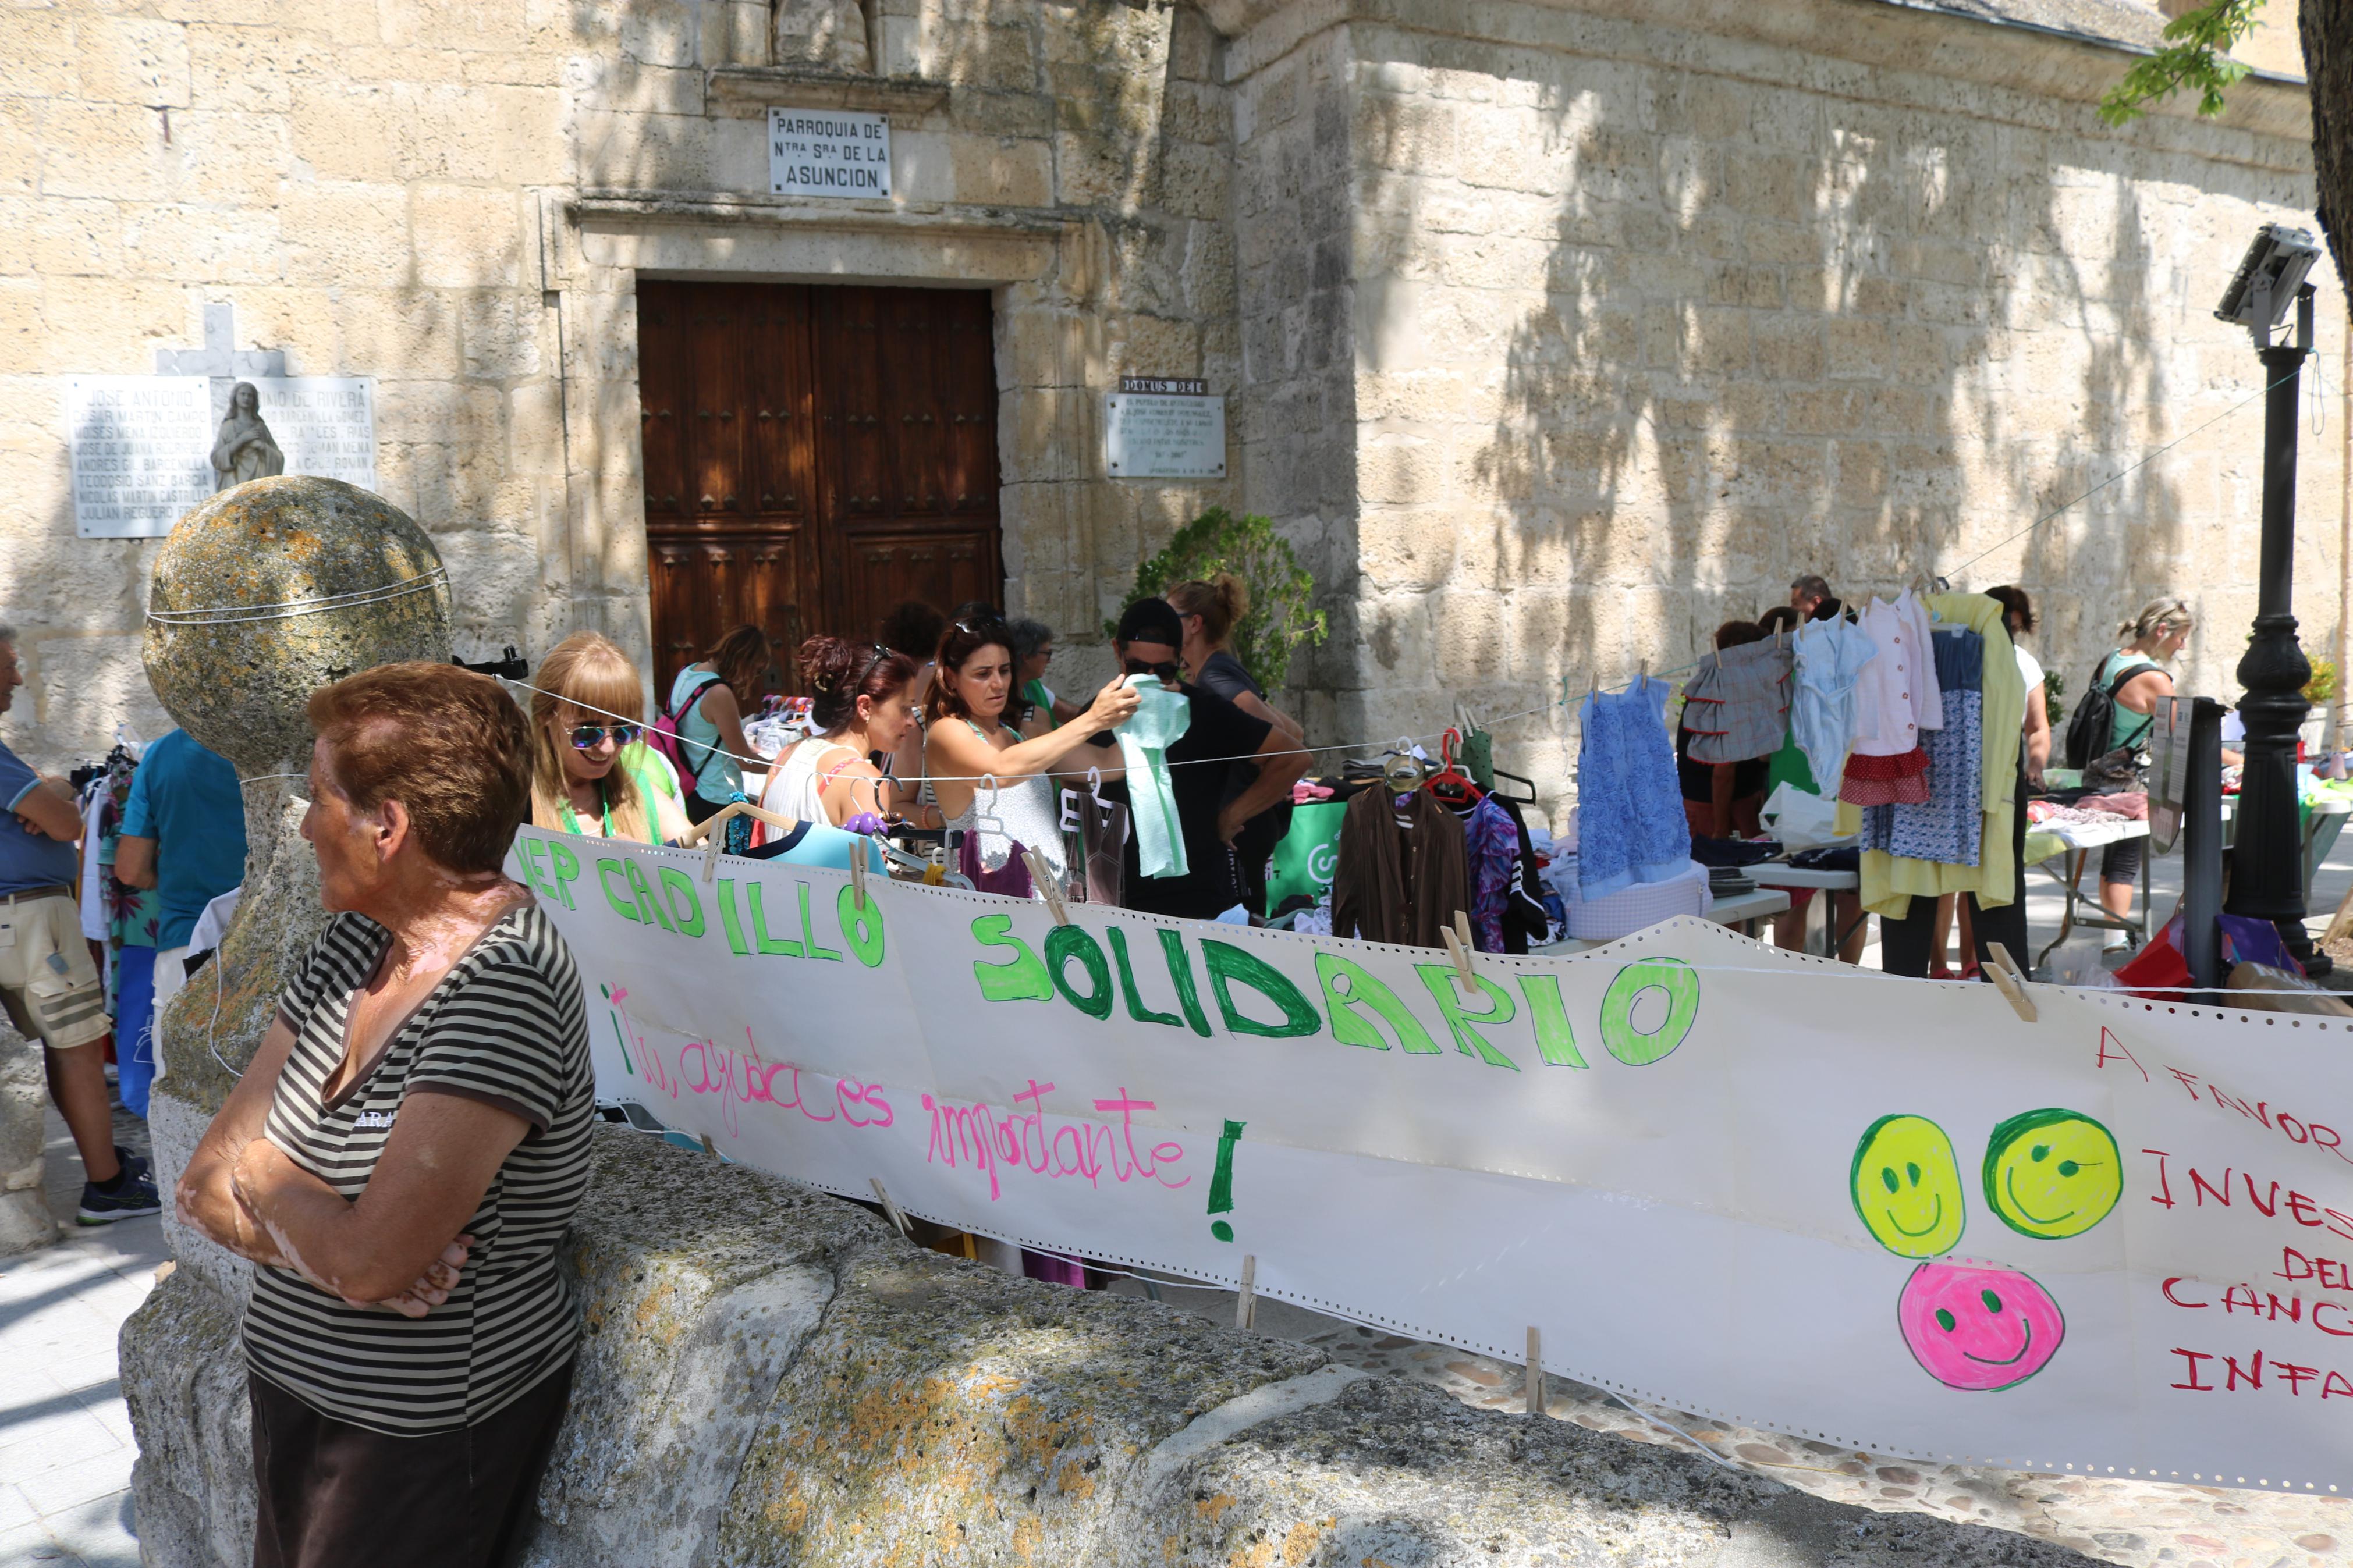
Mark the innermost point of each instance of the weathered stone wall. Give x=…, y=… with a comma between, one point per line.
x=1554, y=331
x=25, y=1223
x=1656, y=306
x=773, y=1376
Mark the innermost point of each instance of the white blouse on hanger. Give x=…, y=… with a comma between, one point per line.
x=1896, y=697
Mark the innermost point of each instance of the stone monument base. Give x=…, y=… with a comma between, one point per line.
x=24, y=1221
x=773, y=1376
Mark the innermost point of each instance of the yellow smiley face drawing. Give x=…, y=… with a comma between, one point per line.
x=1906, y=1186
x=2052, y=1173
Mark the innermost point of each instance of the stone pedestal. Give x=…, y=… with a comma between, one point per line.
x=25, y=1221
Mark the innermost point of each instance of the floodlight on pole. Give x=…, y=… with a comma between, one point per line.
x=2271, y=275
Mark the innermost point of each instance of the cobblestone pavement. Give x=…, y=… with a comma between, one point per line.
x=2118, y=1519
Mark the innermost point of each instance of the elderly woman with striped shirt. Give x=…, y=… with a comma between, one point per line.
x=402, y=1157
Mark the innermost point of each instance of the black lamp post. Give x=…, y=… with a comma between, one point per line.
x=2267, y=855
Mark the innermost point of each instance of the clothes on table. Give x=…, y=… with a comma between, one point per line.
x=1890, y=882
x=1640, y=906
x=1159, y=721
x=1828, y=663
x=1945, y=826
x=1737, y=705
x=1403, y=871
x=1631, y=824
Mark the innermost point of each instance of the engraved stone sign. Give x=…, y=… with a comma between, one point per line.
x=829, y=152
x=1157, y=434
x=139, y=446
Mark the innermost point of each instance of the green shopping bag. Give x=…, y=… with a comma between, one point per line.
x=1306, y=855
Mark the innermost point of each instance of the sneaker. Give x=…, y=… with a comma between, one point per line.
x=135, y=1164
x=134, y=1199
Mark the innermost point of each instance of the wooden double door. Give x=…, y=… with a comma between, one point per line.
x=814, y=456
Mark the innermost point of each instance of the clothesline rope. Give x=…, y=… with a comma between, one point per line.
x=286, y=609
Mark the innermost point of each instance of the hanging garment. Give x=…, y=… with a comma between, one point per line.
x=1737, y=706
x=1025, y=809
x=1103, y=827
x=1526, y=920
x=1946, y=827
x=1630, y=825
x=1889, y=881
x=1896, y=698
x=1491, y=842
x=1143, y=741
x=1828, y=661
x=1400, y=883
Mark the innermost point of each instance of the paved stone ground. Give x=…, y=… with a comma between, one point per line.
x=66, y=1448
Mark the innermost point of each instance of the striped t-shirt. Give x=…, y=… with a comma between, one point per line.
x=506, y=1026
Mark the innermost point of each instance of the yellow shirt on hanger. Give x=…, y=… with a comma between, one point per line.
x=1890, y=882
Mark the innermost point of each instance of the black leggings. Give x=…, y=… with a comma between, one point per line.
x=1903, y=944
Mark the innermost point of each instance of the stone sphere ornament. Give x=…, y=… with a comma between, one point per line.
x=273, y=589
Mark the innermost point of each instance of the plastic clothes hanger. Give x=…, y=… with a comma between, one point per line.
x=1451, y=783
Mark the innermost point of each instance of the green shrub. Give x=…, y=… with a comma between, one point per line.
x=1279, y=624
x=2054, y=697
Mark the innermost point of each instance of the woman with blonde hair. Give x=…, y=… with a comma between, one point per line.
x=592, y=773
x=2134, y=677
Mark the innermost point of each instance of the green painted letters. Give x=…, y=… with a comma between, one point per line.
x=642, y=891
x=729, y=920
x=1181, y=975
x=1629, y=1045
x=1023, y=979
x=1439, y=979
x=1064, y=944
x=808, y=932
x=861, y=929
x=1349, y=986
x=533, y=852
x=775, y=946
x=623, y=904
x=1554, y=1038
x=676, y=884
x=567, y=871
x=1135, y=1008
x=1227, y=964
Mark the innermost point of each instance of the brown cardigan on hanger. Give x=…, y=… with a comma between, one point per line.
x=1400, y=885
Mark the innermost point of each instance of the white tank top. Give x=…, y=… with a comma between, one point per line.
x=795, y=787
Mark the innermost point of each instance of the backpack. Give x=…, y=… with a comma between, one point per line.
x=664, y=738
x=2094, y=720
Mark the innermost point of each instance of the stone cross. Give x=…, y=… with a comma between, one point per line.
x=220, y=358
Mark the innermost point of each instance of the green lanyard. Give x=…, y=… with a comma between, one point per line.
x=571, y=817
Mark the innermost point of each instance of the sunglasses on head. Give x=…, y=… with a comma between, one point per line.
x=585, y=736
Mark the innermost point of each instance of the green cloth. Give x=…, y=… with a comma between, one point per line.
x=1305, y=857
x=1143, y=741
x=1787, y=766
x=1478, y=759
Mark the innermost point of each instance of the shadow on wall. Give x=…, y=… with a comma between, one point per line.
x=1647, y=343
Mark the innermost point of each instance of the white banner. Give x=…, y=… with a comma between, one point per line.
x=1757, y=1185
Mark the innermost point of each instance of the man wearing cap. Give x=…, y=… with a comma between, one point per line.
x=1150, y=636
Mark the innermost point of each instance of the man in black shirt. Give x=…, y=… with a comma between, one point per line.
x=1150, y=634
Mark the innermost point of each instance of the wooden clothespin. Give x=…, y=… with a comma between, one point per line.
x=890, y=1207
x=1048, y=887
x=2004, y=972
x=1245, y=1298
x=1535, y=1385
x=1459, y=950
x=857, y=876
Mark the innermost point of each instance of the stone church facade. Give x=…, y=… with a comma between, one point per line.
x=1552, y=332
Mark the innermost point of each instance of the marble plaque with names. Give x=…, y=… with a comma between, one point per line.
x=325, y=424
x=140, y=449
x=1159, y=437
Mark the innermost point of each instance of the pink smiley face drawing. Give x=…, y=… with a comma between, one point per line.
x=1978, y=1326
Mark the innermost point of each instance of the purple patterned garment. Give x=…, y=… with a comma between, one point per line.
x=1493, y=841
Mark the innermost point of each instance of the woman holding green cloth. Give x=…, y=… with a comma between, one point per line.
x=592, y=773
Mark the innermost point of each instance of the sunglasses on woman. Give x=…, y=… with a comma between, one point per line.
x=586, y=736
